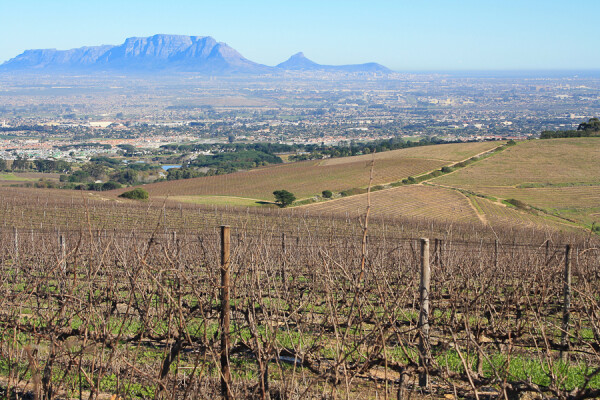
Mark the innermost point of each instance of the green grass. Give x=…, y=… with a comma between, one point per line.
x=523, y=368
x=12, y=177
x=221, y=200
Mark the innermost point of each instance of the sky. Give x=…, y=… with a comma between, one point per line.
x=418, y=35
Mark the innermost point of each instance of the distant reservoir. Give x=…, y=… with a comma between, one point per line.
x=168, y=167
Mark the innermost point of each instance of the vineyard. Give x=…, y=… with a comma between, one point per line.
x=415, y=201
x=497, y=214
x=309, y=178
x=577, y=203
x=559, y=161
x=107, y=300
x=558, y=177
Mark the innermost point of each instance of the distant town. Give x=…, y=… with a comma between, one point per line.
x=40, y=117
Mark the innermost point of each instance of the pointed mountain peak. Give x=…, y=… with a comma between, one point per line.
x=299, y=61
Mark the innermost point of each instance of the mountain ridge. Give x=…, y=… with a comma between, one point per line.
x=299, y=62
x=162, y=52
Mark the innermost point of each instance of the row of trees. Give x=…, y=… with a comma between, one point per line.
x=23, y=163
x=585, y=129
x=357, y=148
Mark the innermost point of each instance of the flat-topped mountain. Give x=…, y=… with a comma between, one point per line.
x=159, y=52
x=201, y=54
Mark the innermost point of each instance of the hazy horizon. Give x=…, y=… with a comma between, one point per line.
x=429, y=37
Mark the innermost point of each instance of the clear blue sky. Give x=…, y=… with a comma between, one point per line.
x=403, y=35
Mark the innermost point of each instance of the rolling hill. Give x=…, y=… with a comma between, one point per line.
x=310, y=178
x=556, y=183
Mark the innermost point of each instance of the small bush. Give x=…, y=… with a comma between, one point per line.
x=352, y=192
x=517, y=203
x=327, y=194
x=305, y=201
x=447, y=169
x=135, y=194
x=110, y=185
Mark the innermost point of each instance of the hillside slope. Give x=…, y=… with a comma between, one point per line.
x=558, y=177
x=310, y=178
x=554, y=183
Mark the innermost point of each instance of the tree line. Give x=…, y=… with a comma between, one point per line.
x=585, y=129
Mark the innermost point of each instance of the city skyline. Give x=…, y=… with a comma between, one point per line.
x=432, y=35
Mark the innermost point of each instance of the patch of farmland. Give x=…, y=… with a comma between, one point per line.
x=415, y=201
x=549, y=197
x=451, y=152
x=11, y=178
x=553, y=161
x=304, y=179
x=310, y=178
x=500, y=215
x=219, y=200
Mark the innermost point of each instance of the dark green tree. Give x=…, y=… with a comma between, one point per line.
x=593, y=125
x=135, y=194
x=127, y=176
x=284, y=198
x=94, y=170
x=20, y=163
x=110, y=185
x=327, y=194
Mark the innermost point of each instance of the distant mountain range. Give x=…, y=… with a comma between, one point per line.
x=167, y=53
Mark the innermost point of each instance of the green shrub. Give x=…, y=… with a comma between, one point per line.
x=135, y=194
x=352, y=192
x=517, y=203
x=327, y=194
x=110, y=185
x=446, y=169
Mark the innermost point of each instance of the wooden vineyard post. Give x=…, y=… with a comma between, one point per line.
x=566, y=304
x=63, y=253
x=283, y=261
x=439, y=255
x=226, y=391
x=16, y=238
x=424, y=289
x=496, y=254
